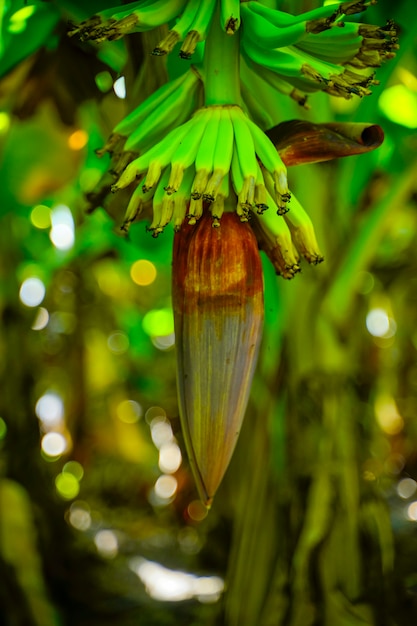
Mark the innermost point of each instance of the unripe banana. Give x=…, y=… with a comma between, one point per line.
x=245, y=151
x=186, y=152
x=274, y=238
x=222, y=156
x=204, y=160
x=272, y=162
x=303, y=232
x=230, y=15
x=157, y=157
x=179, y=31
x=199, y=28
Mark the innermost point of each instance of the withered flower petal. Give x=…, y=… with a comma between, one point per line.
x=299, y=142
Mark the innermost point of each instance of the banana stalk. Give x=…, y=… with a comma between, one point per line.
x=218, y=314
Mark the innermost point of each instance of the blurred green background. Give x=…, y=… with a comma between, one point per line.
x=99, y=519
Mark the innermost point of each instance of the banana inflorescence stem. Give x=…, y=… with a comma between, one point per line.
x=221, y=65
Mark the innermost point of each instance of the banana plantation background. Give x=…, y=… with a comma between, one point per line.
x=316, y=520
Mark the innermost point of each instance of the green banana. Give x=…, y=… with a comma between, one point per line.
x=179, y=31
x=176, y=110
x=274, y=238
x=230, y=15
x=222, y=157
x=195, y=210
x=157, y=158
x=334, y=45
x=261, y=194
x=289, y=61
x=182, y=197
x=245, y=152
x=325, y=15
x=135, y=207
x=186, y=152
x=217, y=206
x=270, y=159
x=204, y=163
x=303, y=232
x=282, y=207
x=275, y=83
x=198, y=29
x=260, y=29
x=139, y=115
x=259, y=101
x=162, y=206
x=243, y=207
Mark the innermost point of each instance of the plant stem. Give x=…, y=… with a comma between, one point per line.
x=221, y=65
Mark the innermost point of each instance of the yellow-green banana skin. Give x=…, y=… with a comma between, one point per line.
x=218, y=312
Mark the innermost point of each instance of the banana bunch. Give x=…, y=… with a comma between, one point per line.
x=216, y=141
x=218, y=158
x=315, y=50
x=193, y=22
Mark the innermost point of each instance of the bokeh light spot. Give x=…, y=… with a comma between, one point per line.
x=143, y=272
x=168, y=585
x=154, y=412
x=166, y=486
x=62, y=231
x=118, y=342
x=4, y=122
x=387, y=415
x=161, y=431
x=107, y=543
x=158, y=322
x=406, y=488
x=377, y=322
x=74, y=468
x=18, y=20
x=50, y=409
x=40, y=216
x=197, y=511
x=41, y=319
x=67, y=486
x=104, y=81
x=32, y=292
x=78, y=139
x=23, y=14
x=119, y=87
x=129, y=411
x=53, y=444
x=208, y=589
x=412, y=511
x=166, y=342
x=62, y=236
x=170, y=458
x=79, y=515
x=399, y=104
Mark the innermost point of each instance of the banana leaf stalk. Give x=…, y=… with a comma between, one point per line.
x=218, y=312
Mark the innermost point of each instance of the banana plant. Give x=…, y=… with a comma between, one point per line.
x=205, y=153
